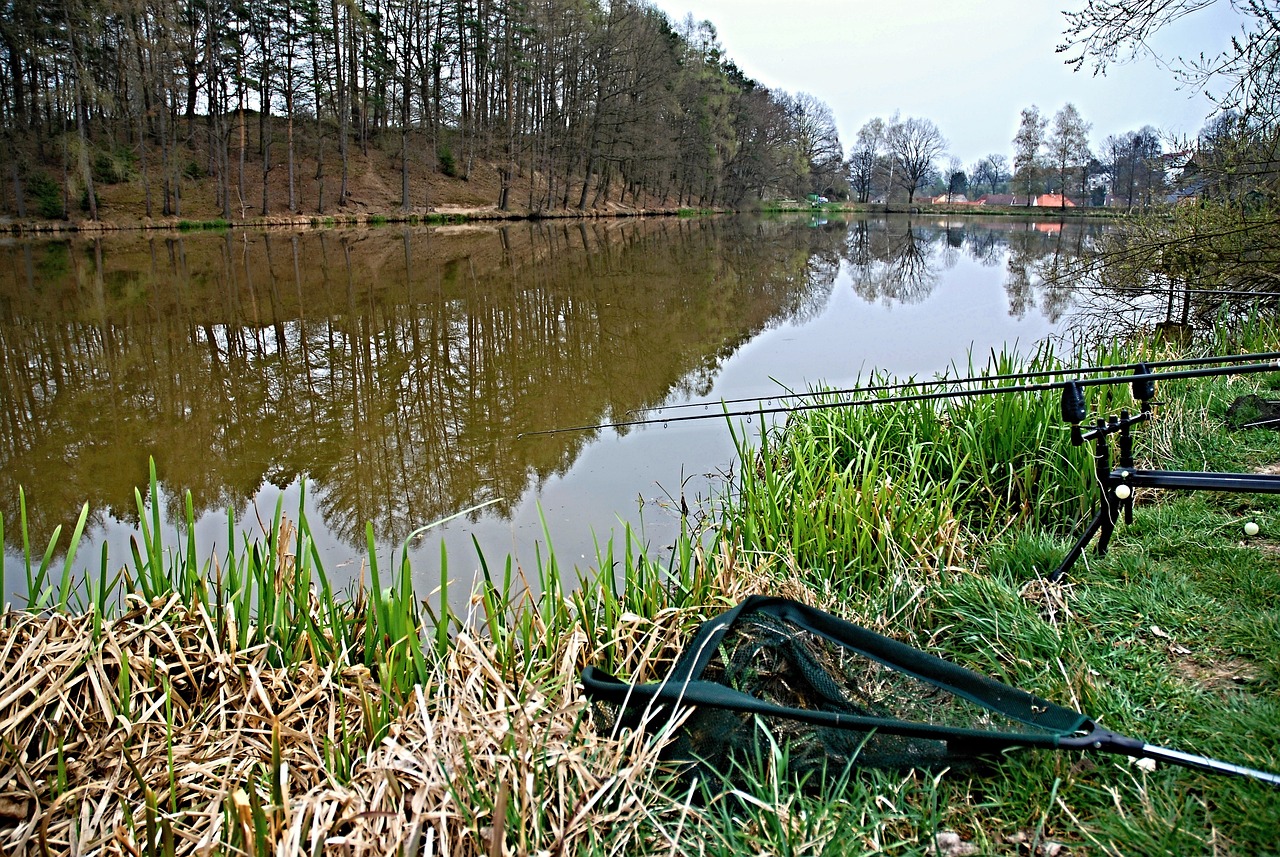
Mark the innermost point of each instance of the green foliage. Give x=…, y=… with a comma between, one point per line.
x=116, y=166
x=84, y=200
x=55, y=261
x=448, y=165
x=189, y=225
x=47, y=195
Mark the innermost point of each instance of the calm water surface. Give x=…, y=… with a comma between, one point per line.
x=386, y=375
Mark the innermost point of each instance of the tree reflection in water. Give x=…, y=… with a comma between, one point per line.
x=394, y=368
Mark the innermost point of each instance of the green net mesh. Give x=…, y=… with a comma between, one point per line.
x=833, y=696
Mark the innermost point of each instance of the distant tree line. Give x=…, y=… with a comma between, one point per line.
x=572, y=102
x=897, y=159
x=1223, y=230
x=1234, y=157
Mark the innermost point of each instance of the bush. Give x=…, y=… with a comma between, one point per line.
x=448, y=165
x=114, y=167
x=47, y=195
x=84, y=200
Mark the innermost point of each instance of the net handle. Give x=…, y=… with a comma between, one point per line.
x=1111, y=742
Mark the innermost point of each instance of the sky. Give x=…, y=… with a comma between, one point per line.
x=970, y=66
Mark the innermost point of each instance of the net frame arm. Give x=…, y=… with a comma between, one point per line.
x=1075, y=731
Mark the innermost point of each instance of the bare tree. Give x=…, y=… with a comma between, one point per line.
x=914, y=145
x=1111, y=31
x=861, y=166
x=817, y=143
x=957, y=181
x=992, y=171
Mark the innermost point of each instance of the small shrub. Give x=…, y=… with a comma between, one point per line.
x=114, y=167
x=47, y=195
x=448, y=165
x=84, y=200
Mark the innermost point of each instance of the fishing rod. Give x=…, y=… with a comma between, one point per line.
x=973, y=379
x=1141, y=376
x=1162, y=292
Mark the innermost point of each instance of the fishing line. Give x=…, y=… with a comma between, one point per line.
x=954, y=394
x=972, y=379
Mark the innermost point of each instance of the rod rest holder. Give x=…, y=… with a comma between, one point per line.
x=1114, y=424
x=1110, y=505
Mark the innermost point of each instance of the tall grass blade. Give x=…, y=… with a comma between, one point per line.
x=68, y=567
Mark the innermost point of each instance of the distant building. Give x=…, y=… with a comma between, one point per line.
x=1052, y=200
x=1044, y=200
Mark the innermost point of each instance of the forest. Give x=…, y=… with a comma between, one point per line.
x=238, y=109
x=561, y=104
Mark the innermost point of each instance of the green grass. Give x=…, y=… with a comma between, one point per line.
x=1171, y=637
x=191, y=225
x=936, y=525
x=859, y=493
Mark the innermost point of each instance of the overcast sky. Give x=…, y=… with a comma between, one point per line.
x=970, y=66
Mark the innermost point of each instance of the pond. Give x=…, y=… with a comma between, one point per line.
x=393, y=375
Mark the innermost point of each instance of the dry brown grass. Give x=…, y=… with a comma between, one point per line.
x=151, y=733
x=476, y=738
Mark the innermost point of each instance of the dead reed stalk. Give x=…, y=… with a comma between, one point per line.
x=151, y=737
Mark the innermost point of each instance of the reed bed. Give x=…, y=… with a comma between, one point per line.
x=243, y=707
x=155, y=732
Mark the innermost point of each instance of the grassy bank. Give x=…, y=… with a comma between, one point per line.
x=186, y=703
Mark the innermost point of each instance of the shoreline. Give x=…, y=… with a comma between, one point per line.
x=456, y=214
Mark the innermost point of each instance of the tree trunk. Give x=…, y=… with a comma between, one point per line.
x=265, y=145
x=343, y=99
x=82, y=119
x=19, y=192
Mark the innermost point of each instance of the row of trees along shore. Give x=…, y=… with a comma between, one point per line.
x=266, y=105
x=572, y=103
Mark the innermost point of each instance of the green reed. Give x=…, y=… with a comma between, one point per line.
x=272, y=591
x=854, y=492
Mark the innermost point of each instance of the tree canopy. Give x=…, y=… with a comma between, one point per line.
x=1225, y=231
x=574, y=103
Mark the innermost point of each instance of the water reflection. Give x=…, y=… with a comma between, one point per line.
x=394, y=368
x=903, y=260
